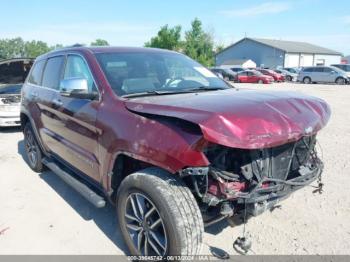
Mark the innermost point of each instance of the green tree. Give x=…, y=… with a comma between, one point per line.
x=219, y=48
x=99, y=42
x=36, y=48
x=167, y=38
x=10, y=48
x=199, y=44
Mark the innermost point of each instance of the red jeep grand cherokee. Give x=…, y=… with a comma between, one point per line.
x=165, y=140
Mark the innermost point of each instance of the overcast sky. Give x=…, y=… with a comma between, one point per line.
x=131, y=23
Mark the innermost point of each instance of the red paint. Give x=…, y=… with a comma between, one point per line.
x=276, y=76
x=225, y=189
x=251, y=76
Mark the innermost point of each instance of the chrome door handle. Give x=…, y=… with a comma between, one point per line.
x=57, y=102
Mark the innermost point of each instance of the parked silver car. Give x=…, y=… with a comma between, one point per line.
x=322, y=74
x=344, y=67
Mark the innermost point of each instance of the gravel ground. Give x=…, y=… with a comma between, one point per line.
x=40, y=214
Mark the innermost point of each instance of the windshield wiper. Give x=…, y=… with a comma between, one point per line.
x=172, y=92
x=204, y=88
x=155, y=92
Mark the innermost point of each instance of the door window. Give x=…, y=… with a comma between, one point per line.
x=52, y=72
x=36, y=73
x=76, y=67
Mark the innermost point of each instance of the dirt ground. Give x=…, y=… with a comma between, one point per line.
x=40, y=214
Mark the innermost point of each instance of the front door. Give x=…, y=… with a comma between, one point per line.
x=76, y=122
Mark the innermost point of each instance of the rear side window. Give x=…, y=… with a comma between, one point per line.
x=36, y=73
x=308, y=70
x=53, y=72
x=318, y=69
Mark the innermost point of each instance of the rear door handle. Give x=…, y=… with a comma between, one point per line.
x=57, y=102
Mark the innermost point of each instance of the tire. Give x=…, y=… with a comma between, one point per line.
x=289, y=78
x=340, y=81
x=307, y=80
x=260, y=81
x=181, y=225
x=32, y=149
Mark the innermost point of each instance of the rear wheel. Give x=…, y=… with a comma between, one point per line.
x=260, y=82
x=158, y=215
x=289, y=78
x=307, y=80
x=32, y=149
x=340, y=81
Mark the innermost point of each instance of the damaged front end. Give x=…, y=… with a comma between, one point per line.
x=256, y=179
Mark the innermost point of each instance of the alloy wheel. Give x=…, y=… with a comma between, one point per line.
x=31, y=148
x=145, y=225
x=340, y=81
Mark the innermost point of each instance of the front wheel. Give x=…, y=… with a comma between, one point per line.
x=340, y=81
x=289, y=78
x=260, y=81
x=158, y=215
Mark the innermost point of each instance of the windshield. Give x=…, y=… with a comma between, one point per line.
x=10, y=89
x=154, y=72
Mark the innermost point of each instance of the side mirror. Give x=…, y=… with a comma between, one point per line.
x=76, y=87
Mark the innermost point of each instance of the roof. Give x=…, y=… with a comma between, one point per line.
x=235, y=61
x=290, y=46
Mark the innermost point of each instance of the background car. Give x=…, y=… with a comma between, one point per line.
x=237, y=69
x=289, y=76
x=294, y=70
x=323, y=74
x=276, y=77
x=13, y=73
x=344, y=67
x=10, y=98
x=253, y=76
x=226, y=74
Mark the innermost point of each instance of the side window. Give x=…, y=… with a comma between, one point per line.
x=52, y=72
x=77, y=68
x=318, y=69
x=327, y=70
x=250, y=73
x=36, y=73
x=308, y=70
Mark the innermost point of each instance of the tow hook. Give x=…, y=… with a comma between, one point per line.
x=243, y=243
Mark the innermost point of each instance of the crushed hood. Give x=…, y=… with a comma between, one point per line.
x=241, y=118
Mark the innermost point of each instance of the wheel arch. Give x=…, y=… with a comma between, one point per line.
x=125, y=164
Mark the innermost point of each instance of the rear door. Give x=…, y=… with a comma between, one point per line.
x=75, y=121
x=37, y=95
x=318, y=75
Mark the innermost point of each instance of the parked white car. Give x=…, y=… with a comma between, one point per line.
x=13, y=73
x=10, y=99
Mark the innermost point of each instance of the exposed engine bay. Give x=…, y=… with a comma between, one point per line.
x=254, y=179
